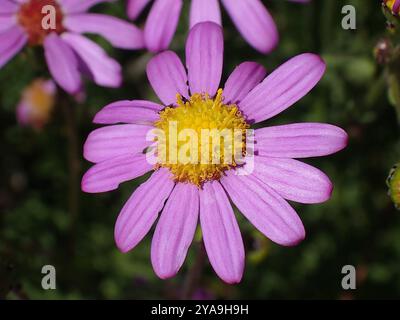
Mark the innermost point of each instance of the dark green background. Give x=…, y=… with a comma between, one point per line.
x=358, y=226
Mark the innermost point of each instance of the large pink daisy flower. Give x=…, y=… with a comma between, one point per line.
x=193, y=192
x=67, y=52
x=250, y=17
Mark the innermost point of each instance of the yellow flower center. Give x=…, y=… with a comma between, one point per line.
x=31, y=18
x=39, y=98
x=200, y=138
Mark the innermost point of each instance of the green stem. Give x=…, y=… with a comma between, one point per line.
x=194, y=274
x=73, y=162
x=394, y=87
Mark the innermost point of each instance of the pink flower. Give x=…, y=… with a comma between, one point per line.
x=194, y=98
x=250, y=17
x=37, y=103
x=393, y=5
x=67, y=52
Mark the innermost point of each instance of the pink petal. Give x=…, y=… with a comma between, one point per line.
x=242, y=80
x=161, y=24
x=135, y=111
x=7, y=6
x=203, y=11
x=300, y=140
x=7, y=22
x=62, y=63
x=113, y=141
x=293, y=180
x=141, y=210
x=283, y=87
x=77, y=6
x=396, y=6
x=204, y=57
x=107, y=175
x=175, y=230
x=167, y=76
x=221, y=234
x=119, y=33
x=264, y=208
x=23, y=113
x=135, y=8
x=254, y=23
x=11, y=42
x=106, y=71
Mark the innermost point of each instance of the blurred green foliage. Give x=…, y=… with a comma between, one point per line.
x=359, y=226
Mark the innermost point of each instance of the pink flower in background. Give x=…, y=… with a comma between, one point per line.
x=250, y=17
x=393, y=5
x=37, y=103
x=193, y=192
x=68, y=53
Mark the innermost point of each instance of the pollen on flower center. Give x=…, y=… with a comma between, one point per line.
x=31, y=18
x=200, y=138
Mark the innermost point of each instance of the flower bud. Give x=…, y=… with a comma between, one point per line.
x=36, y=104
x=393, y=5
x=393, y=182
x=383, y=51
